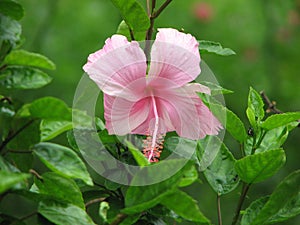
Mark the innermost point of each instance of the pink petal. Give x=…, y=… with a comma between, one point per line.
x=175, y=56
x=186, y=112
x=118, y=67
x=123, y=116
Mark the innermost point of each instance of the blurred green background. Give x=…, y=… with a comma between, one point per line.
x=264, y=33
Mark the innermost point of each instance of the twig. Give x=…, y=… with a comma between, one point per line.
x=154, y=14
x=271, y=104
x=93, y=201
x=118, y=219
x=35, y=173
x=9, y=138
x=219, y=209
x=245, y=190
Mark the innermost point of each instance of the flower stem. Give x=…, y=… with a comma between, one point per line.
x=219, y=209
x=245, y=190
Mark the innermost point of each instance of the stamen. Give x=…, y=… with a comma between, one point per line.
x=154, y=142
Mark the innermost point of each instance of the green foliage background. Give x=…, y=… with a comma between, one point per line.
x=264, y=34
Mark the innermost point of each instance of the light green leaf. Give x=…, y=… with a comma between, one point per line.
x=140, y=198
x=230, y=121
x=214, y=47
x=258, y=167
x=287, y=211
x=50, y=108
x=251, y=117
x=216, y=89
x=11, y=9
x=137, y=154
x=279, y=120
x=52, y=128
x=103, y=208
x=25, y=58
x=66, y=214
x=10, y=31
x=62, y=160
x=133, y=14
x=221, y=174
x=189, y=177
x=19, y=77
x=60, y=188
x=9, y=179
x=287, y=190
x=184, y=205
x=123, y=29
x=256, y=103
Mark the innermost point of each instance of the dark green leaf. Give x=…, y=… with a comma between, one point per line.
x=221, y=174
x=214, y=47
x=287, y=190
x=50, y=108
x=25, y=58
x=29, y=128
x=140, y=198
x=279, y=120
x=5, y=48
x=123, y=29
x=10, y=31
x=23, y=161
x=133, y=14
x=230, y=121
x=184, y=205
x=11, y=9
x=138, y=155
x=19, y=77
x=52, y=128
x=60, y=188
x=66, y=214
x=252, y=211
x=6, y=114
x=256, y=103
x=9, y=179
x=258, y=167
x=216, y=89
x=62, y=160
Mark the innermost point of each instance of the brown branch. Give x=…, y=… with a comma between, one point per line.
x=270, y=104
x=219, y=209
x=118, y=219
x=35, y=173
x=93, y=201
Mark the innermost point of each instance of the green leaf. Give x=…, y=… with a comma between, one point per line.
x=133, y=14
x=140, y=198
x=52, y=128
x=230, y=121
x=123, y=29
x=259, y=167
x=50, y=108
x=184, y=205
x=25, y=58
x=287, y=211
x=137, y=154
x=62, y=160
x=30, y=129
x=6, y=115
x=214, y=47
x=103, y=208
x=10, y=31
x=66, y=214
x=256, y=103
x=221, y=174
x=287, y=190
x=5, y=48
x=251, y=117
x=20, y=77
x=60, y=188
x=216, y=89
x=9, y=179
x=11, y=9
x=189, y=177
x=279, y=120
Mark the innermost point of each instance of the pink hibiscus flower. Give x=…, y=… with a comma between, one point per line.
x=155, y=100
